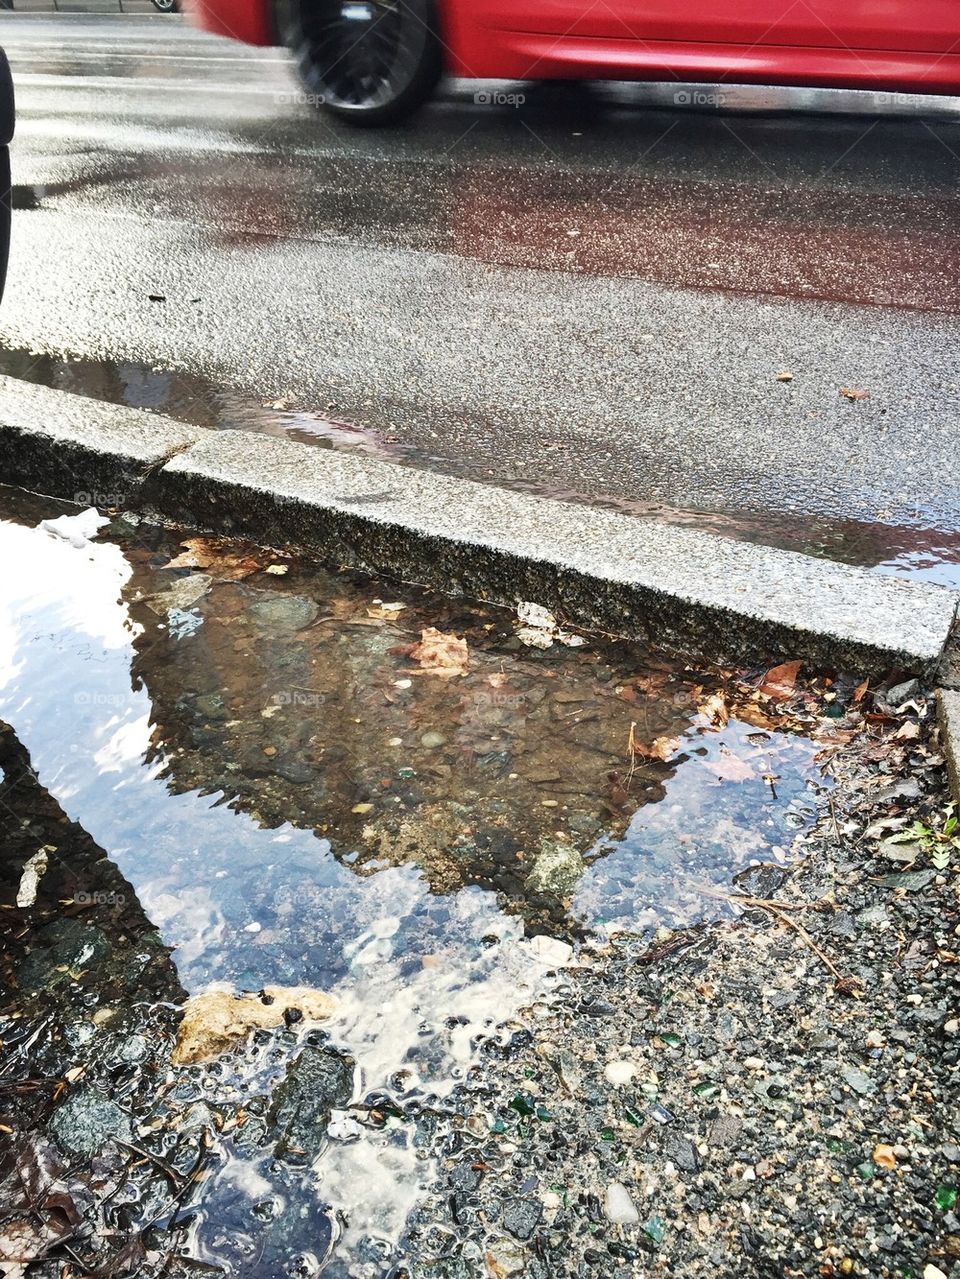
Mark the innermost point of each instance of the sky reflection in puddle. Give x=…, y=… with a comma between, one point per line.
x=292, y=805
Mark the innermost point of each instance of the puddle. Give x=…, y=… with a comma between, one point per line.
x=270, y=789
x=906, y=547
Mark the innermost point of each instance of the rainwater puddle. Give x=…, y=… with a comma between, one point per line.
x=285, y=796
x=907, y=548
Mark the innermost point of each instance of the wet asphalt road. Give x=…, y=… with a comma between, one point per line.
x=587, y=294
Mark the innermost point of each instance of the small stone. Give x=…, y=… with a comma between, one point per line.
x=619, y=1073
x=901, y=693
x=521, y=1217
x=551, y=951
x=930, y=1271
x=861, y=1083
x=619, y=1206
x=433, y=740
x=87, y=1121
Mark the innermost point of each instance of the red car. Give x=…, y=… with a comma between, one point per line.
x=375, y=61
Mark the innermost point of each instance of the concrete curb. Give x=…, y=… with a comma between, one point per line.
x=948, y=713
x=83, y=450
x=708, y=594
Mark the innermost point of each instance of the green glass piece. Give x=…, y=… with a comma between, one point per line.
x=523, y=1105
x=656, y=1228
x=946, y=1197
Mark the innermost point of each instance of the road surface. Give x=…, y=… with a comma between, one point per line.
x=589, y=294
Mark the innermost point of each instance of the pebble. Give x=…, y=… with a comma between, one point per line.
x=619, y=1205
x=432, y=740
x=551, y=951
x=619, y=1073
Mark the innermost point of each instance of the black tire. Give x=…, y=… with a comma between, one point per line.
x=4, y=214
x=370, y=62
x=167, y=6
x=7, y=112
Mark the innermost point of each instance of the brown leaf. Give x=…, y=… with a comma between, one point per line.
x=852, y=393
x=440, y=653
x=860, y=691
x=662, y=748
x=211, y=553
x=780, y=681
x=909, y=731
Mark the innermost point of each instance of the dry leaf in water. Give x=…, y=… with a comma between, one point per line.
x=440, y=653
x=780, y=681
x=663, y=748
x=714, y=710
x=210, y=553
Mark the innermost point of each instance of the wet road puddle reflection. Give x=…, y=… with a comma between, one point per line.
x=291, y=791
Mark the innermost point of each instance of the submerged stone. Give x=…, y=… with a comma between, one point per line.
x=87, y=1121
x=556, y=870
x=317, y=1082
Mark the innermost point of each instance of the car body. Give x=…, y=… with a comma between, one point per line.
x=6, y=136
x=904, y=46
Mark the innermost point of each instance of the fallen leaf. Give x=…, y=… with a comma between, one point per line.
x=223, y=558
x=860, y=691
x=440, y=653
x=780, y=681
x=182, y=594
x=386, y=612
x=852, y=393
x=784, y=377
x=714, y=710
x=662, y=748
x=908, y=732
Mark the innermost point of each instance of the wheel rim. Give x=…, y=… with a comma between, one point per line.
x=362, y=53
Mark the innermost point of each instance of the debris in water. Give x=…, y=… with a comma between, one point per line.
x=33, y=869
x=75, y=529
x=440, y=653
x=218, y=1020
x=181, y=594
x=539, y=628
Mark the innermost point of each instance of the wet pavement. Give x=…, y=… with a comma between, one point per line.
x=586, y=296
x=230, y=767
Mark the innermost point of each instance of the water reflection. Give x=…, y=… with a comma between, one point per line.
x=289, y=801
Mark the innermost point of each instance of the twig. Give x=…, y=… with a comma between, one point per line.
x=845, y=984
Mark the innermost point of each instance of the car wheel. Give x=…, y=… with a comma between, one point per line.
x=367, y=61
x=4, y=214
x=7, y=111
x=167, y=6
